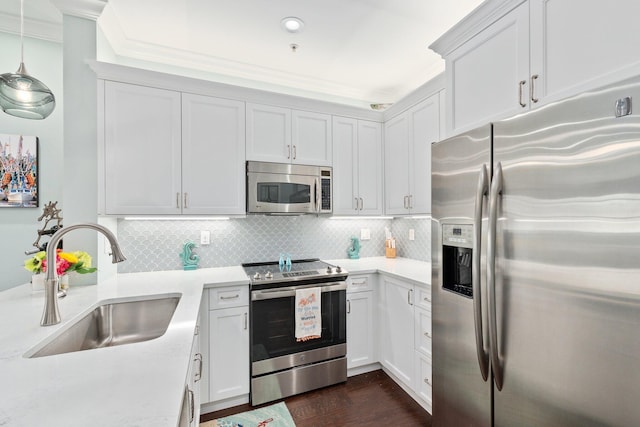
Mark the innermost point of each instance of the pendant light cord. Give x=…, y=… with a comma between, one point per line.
x=22, y=31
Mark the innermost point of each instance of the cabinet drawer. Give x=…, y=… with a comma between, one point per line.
x=423, y=298
x=423, y=331
x=360, y=283
x=228, y=296
x=424, y=379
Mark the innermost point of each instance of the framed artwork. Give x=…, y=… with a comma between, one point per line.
x=18, y=171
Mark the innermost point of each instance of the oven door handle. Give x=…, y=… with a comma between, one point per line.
x=291, y=291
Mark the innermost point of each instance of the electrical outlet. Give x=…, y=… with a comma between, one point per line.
x=205, y=237
x=412, y=234
x=365, y=234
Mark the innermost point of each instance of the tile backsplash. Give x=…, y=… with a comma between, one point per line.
x=156, y=245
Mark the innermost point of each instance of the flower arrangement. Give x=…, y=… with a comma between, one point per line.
x=66, y=262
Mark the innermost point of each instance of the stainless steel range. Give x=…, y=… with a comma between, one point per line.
x=281, y=364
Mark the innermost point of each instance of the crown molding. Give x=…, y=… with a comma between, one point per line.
x=480, y=18
x=431, y=87
x=37, y=29
x=88, y=9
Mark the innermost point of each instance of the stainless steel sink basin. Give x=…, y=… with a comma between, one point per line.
x=114, y=323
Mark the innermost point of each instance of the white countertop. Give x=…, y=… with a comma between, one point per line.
x=418, y=272
x=138, y=384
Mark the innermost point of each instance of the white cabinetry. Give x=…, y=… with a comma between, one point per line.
x=408, y=139
x=190, y=413
x=228, y=333
x=510, y=56
x=361, y=321
x=281, y=135
x=167, y=152
x=397, y=340
x=423, y=358
x=142, y=150
x=357, y=167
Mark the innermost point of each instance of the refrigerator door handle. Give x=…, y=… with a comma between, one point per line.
x=482, y=191
x=496, y=190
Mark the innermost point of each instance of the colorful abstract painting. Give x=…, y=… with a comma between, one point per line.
x=18, y=171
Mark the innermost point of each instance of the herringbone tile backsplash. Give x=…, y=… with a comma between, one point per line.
x=156, y=245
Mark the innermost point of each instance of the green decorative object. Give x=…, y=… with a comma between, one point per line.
x=354, y=251
x=189, y=259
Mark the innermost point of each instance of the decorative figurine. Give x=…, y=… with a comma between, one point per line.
x=354, y=251
x=189, y=259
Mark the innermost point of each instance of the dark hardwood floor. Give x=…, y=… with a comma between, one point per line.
x=364, y=400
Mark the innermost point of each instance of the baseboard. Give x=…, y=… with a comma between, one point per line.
x=205, y=408
x=363, y=369
x=427, y=406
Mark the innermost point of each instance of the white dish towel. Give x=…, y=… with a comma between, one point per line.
x=308, y=314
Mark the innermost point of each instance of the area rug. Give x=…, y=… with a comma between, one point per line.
x=270, y=416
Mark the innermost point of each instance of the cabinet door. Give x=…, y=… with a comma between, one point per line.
x=570, y=55
x=213, y=155
x=396, y=178
x=345, y=166
x=396, y=345
x=483, y=75
x=268, y=133
x=360, y=329
x=142, y=150
x=311, y=138
x=425, y=130
x=369, y=167
x=228, y=353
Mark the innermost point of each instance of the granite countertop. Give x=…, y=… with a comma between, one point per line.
x=139, y=384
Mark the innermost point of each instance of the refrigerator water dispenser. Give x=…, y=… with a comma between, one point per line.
x=457, y=252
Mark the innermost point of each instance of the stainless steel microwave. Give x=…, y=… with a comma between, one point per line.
x=282, y=188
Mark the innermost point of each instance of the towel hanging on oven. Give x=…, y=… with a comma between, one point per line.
x=308, y=314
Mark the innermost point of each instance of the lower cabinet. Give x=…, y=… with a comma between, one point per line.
x=423, y=384
x=190, y=413
x=397, y=346
x=361, y=321
x=423, y=357
x=227, y=335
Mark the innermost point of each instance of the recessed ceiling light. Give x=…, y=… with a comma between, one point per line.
x=291, y=24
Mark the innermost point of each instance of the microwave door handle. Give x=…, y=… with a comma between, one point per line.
x=317, y=194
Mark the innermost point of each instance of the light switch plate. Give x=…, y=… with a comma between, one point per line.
x=412, y=234
x=205, y=237
x=365, y=234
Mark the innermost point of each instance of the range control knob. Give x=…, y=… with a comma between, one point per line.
x=257, y=276
x=338, y=269
x=329, y=270
x=268, y=275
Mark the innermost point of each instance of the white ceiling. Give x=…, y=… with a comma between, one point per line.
x=352, y=51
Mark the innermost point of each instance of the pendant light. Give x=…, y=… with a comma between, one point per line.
x=22, y=95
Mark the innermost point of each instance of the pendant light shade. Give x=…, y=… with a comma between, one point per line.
x=22, y=95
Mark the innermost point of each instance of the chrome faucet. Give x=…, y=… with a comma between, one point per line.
x=51, y=314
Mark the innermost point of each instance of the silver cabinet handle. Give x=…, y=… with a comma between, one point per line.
x=288, y=151
x=426, y=299
x=197, y=331
x=427, y=334
x=532, y=88
x=246, y=321
x=361, y=203
x=410, y=201
x=198, y=375
x=406, y=202
x=192, y=408
x=520, y=86
x=348, y=306
x=295, y=152
x=228, y=298
x=410, y=297
x=357, y=204
x=186, y=199
x=426, y=381
x=482, y=191
x=496, y=190
x=178, y=200
x=354, y=283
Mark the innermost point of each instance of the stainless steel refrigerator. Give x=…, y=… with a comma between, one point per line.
x=536, y=267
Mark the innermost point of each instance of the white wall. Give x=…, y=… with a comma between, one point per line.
x=18, y=227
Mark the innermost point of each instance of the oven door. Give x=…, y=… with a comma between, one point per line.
x=282, y=193
x=273, y=342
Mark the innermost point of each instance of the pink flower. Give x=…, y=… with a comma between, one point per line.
x=62, y=265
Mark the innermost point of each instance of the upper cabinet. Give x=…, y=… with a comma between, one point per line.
x=169, y=153
x=408, y=139
x=357, y=167
x=281, y=135
x=514, y=55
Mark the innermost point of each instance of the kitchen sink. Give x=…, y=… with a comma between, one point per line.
x=113, y=323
